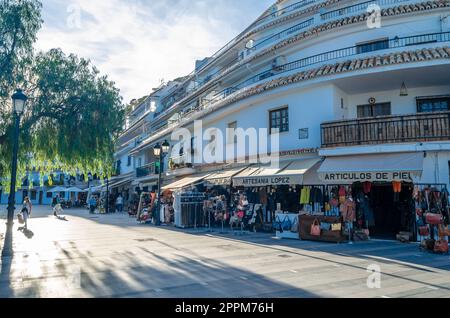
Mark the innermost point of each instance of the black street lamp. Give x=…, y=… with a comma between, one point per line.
x=19, y=100
x=160, y=151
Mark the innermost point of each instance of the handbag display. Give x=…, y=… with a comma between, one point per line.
x=315, y=228
x=441, y=246
x=336, y=227
x=424, y=230
x=433, y=218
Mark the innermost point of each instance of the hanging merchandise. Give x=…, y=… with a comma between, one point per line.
x=315, y=228
x=342, y=195
x=441, y=246
x=305, y=195
x=367, y=187
x=433, y=219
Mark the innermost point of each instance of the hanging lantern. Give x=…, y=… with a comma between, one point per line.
x=404, y=90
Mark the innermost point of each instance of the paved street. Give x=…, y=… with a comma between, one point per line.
x=112, y=256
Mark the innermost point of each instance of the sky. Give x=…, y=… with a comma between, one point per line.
x=139, y=43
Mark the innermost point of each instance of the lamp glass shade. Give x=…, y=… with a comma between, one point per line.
x=157, y=150
x=165, y=147
x=19, y=99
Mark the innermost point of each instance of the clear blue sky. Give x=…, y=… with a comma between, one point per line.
x=139, y=42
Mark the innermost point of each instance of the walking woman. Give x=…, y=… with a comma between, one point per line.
x=26, y=211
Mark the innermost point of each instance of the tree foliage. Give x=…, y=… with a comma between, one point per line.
x=73, y=114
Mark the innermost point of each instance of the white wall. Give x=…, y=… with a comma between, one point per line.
x=436, y=168
x=308, y=108
x=400, y=105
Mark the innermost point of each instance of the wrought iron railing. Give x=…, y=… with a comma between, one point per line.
x=335, y=55
x=387, y=129
x=283, y=34
x=283, y=11
x=147, y=170
x=357, y=8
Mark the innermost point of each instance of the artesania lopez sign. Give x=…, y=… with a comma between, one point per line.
x=267, y=181
x=336, y=177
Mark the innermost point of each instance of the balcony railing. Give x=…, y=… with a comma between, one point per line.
x=283, y=34
x=283, y=11
x=387, y=129
x=146, y=170
x=337, y=54
x=358, y=8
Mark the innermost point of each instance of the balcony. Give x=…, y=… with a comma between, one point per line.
x=147, y=170
x=387, y=129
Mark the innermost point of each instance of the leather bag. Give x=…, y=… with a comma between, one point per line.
x=434, y=218
x=315, y=228
x=441, y=246
x=444, y=230
x=424, y=231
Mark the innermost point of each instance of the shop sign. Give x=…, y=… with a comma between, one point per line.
x=337, y=177
x=220, y=181
x=267, y=181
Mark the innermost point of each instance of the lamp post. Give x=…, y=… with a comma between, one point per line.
x=160, y=151
x=18, y=101
x=107, y=196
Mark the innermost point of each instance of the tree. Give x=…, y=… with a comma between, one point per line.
x=73, y=114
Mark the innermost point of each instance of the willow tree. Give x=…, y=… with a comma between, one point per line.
x=73, y=113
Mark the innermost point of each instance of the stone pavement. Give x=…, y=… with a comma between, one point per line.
x=113, y=256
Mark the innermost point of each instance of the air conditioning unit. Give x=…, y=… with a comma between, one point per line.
x=278, y=62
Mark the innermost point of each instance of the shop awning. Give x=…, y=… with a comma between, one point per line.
x=374, y=168
x=119, y=183
x=288, y=173
x=223, y=177
x=185, y=182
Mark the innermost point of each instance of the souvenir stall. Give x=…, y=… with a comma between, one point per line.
x=277, y=195
x=375, y=195
x=187, y=202
x=432, y=217
x=146, y=206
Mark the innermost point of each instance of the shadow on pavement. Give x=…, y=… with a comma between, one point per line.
x=7, y=258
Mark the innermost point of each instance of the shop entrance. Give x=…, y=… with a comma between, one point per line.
x=392, y=211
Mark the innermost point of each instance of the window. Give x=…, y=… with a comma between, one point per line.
x=49, y=195
x=433, y=104
x=129, y=161
x=279, y=119
x=139, y=162
x=374, y=110
x=232, y=138
x=372, y=46
x=33, y=195
x=303, y=133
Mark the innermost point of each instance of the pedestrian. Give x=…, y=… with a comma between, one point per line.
x=119, y=204
x=55, y=201
x=26, y=212
x=92, y=204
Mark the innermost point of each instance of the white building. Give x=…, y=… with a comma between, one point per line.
x=357, y=83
